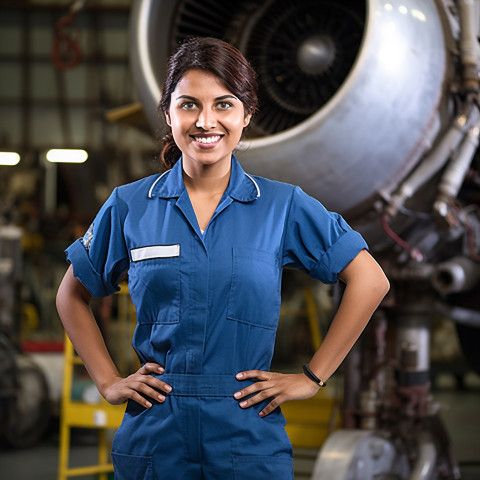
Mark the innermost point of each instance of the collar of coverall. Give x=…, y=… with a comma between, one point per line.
x=241, y=187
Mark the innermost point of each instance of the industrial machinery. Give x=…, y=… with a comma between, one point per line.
x=373, y=108
x=24, y=403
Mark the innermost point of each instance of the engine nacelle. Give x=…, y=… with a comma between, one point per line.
x=351, y=92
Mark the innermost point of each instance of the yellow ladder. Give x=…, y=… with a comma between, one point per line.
x=310, y=421
x=101, y=416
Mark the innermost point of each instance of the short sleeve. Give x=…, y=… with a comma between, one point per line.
x=318, y=241
x=100, y=257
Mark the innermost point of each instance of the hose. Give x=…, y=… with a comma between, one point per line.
x=66, y=51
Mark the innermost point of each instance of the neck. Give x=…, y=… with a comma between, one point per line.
x=210, y=179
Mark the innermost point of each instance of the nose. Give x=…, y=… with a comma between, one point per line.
x=206, y=119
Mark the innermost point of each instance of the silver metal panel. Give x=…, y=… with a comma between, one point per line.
x=373, y=131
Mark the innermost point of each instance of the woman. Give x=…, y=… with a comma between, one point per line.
x=204, y=244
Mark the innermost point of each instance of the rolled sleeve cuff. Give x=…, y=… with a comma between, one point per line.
x=84, y=271
x=338, y=257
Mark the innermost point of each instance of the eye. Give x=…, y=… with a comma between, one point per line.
x=188, y=105
x=224, y=105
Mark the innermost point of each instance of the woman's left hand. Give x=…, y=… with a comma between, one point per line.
x=280, y=387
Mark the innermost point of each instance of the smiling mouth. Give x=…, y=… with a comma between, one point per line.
x=207, y=140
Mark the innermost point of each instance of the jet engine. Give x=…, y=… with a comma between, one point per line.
x=371, y=106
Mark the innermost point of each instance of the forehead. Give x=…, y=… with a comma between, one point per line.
x=201, y=82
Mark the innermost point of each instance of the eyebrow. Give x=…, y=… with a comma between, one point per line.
x=222, y=97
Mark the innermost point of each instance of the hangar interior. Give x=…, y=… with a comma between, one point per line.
x=372, y=107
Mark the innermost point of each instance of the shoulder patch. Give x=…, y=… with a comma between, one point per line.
x=86, y=240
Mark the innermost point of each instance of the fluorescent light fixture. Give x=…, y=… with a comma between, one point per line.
x=9, y=158
x=66, y=155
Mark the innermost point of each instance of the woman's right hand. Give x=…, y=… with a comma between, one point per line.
x=137, y=386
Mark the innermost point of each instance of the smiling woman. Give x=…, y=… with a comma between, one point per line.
x=207, y=122
x=224, y=68
x=205, y=245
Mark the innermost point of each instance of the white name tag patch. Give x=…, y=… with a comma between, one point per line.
x=155, y=251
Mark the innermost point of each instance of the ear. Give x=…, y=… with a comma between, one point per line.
x=246, y=120
x=167, y=119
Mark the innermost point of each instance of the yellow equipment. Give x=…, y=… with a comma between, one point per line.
x=101, y=416
x=310, y=421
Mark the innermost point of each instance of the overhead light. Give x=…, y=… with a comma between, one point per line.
x=66, y=155
x=9, y=158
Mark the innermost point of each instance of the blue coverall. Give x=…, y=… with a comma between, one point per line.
x=207, y=308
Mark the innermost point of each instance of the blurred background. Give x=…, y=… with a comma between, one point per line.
x=370, y=106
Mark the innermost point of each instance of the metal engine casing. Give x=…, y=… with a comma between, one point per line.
x=365, y=139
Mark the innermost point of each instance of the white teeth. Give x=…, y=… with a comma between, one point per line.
x=212, y=139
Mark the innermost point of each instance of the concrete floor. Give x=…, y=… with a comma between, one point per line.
x=460, y=410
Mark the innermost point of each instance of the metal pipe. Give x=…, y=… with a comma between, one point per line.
x=424, y=467
x=462, y=316
x=457, y=169
x=456, y=275
x=433, y=162
x=469, y=50
x=412, y=344
x=413, y=350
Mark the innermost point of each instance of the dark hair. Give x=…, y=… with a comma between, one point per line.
x=214, y=56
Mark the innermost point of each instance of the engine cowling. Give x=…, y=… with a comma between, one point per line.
x=351, y=92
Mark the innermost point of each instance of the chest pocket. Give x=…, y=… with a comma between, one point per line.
x=255, y=290
x=154, y=282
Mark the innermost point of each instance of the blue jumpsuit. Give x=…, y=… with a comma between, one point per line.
x=207, y=308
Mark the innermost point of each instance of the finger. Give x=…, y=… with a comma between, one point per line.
x=147, y=391
x=145, y=372
x=151, y=368
x=251, y=389
x=136, y=397
x=156, y=383
x=274, y=404
x=258, y=374
x=260, y=397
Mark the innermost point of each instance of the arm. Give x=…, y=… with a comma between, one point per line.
x=366, y=285
x=73, y=305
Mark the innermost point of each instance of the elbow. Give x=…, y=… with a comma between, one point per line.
x=386, y=284
x=377, y=283
x=382, y=286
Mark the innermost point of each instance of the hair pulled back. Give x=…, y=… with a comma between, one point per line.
x=214, y=56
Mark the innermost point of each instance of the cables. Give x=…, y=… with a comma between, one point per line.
x=66, y=51
x=414, y=252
